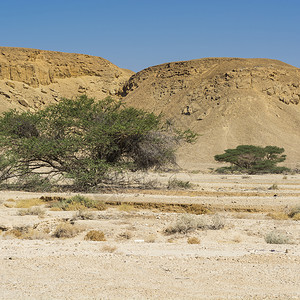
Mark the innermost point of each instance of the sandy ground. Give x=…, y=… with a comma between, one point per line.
x=139, y=260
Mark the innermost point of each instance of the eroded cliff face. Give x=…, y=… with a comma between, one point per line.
x=228, y=101
x=30, y=79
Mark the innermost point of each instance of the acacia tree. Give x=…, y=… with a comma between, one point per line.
x=253, y=159
x=85, y=141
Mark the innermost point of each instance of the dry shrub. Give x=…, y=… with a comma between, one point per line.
x=36, y=211
x=26, y=203
x=187, y=223
x=274, y=186
x=193, y=240
x=126, y=235
x=66, y=230
x=175, y=183
x=110, y=249
x=95, y=235
x=277, y=237
x=278, y=215
x=84, y=215
x=294, y=211
x=33, y=234
x=17, y=232
x=296, y=217
x=150, y=238
x=26, y=233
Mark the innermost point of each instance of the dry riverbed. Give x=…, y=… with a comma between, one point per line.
x=242, y=243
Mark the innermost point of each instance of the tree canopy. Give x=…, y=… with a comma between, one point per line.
x=85, y=141
x=253, y=159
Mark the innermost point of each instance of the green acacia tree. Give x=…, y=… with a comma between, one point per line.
x=85, y=141
x=253, y=159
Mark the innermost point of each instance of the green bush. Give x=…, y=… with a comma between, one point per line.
x=252, y=160
x=85, y=141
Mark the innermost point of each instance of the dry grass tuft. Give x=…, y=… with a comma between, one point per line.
x=126, y=207
x=84, y=215
x=296, y=217
x=110, y=249
x=278, y=215
x=127, y=235
x=193, y=240
x=27, y=203
x=35, y=210
x=187, y=223
x=294, y=211
x=150, y=238
x=95, y=235
x=66, y=230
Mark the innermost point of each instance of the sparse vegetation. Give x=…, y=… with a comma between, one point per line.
x=252, y=159
x=274, y=186
x=294, y=212
x=187, y=223
x=35, y=210
x=95, y=235
x=280, y=215
x=193, y=240
x=77, y=202
x=66, y=230
x=277, y=237
x=108, y=248
x=27, y=203
x=84, y=215
x=126, y=207
x=175, y=183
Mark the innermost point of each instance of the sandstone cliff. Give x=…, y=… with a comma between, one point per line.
x=31, y=78
x=228, y=101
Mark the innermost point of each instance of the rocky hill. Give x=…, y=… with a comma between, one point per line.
x=228, y=101
x=32, y=78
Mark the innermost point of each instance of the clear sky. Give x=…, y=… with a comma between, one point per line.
x=136, y=34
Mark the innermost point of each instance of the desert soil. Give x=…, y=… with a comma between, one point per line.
x=139, y=260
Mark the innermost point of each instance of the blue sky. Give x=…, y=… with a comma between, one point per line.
x=136, y=34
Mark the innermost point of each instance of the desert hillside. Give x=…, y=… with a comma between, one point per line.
x=228, y=101
x=30, y=79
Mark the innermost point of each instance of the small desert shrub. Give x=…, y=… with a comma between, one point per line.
x=15, y=232
x=277, y=237
x=127, y=235
x=35, y=210
x=274, y=186
x=84, y=215
x=66, y=230
x=296, y=217
x=183, y=225
x=175, y=183
x=187, y=223
x=278, y=215
x=78, y=202
x=217, y=223
x=150, y=238
x=110, y=249
x=33, y=234
x=294, y=211
x=95, y=235
x=193, y=240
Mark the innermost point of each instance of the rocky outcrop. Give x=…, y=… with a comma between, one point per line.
x=31, y=78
